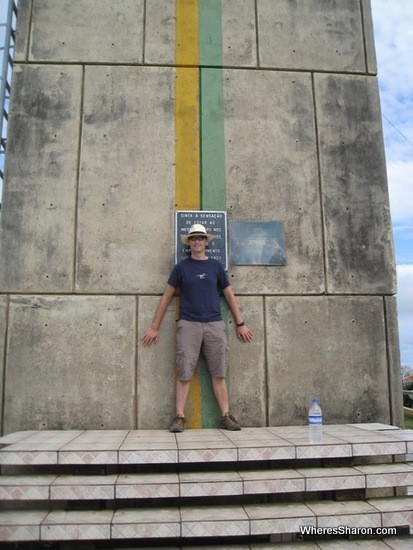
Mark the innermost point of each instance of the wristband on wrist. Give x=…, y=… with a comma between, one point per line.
x=241, y=324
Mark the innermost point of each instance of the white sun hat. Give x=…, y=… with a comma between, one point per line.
x=196, y=230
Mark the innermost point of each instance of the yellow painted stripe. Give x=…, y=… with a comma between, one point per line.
x=187, y=143
x=186, y=32
x=187, y=156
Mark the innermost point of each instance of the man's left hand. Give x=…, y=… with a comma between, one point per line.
x=244, y=334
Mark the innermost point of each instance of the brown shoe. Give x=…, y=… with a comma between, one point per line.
x=178, y=424
x=229, y=422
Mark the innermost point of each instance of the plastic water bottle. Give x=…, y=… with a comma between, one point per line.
x=315, y=422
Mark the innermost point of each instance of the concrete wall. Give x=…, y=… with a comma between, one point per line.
x=91, y=189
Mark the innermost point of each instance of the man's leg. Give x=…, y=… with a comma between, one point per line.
x=188, y=346
x=215, y=350
x=228, y=421
x=181, y=395
x=220, y=388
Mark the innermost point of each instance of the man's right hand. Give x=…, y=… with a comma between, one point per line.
x=151, y=336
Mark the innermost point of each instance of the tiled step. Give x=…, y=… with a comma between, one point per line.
x=120, y=447
x=393, y=543
x=193, y=522
x=204, y=484
x=239, y=468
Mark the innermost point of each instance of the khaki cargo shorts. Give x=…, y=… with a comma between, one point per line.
x=208, y=339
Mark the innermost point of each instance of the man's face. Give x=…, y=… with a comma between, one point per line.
x=197, y=243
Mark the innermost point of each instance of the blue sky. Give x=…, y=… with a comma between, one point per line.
x=393, y=30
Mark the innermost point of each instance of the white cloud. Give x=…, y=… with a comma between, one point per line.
x=405, y=312
x=400, y=177
x=393, y=32
x=393, y=29
x=404, y=277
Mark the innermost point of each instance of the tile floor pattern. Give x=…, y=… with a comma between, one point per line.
x=201, y=521
x=200, y=446
x=212, y=445
x=203, y=484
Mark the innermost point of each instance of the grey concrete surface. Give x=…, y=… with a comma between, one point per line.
x=247, y=366
x=22, y=32
x=395, y=375
x=96, y=31
x=314, y=35
x=71, y=363
x=272, y=174
x=239, y=47
x=333, y=348
x=126, y=189
x=359, y=241
x=3, y=328
x=160, y=32
x=39, y=195
x=239, y=43
x=156, y=367
x=371, y=59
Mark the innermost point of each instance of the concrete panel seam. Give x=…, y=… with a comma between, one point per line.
x=143, y=32
x=266, y=359
x=4, y=359
x=386, y=335
x=29, y=38
x=396, y=416
x=76, y=205
x=363, y=30
x=256, y=33
x=194, y=66
x=320, y=186
x=135, y=362
x=251, y=294
x=368, y=29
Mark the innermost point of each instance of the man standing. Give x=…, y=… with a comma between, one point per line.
x=200, y=326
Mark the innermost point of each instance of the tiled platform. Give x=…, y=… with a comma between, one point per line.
x=235, y=476
x=250, y=444
x=204, y=484
x=202, y=521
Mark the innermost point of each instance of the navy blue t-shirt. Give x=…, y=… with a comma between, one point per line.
x=200, y=282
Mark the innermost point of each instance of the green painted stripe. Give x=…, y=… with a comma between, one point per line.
x=212, y=143
x=213, y=178
x=210, y=33
x=213, y=193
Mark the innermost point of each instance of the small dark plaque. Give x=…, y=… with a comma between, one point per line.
x=215, y=224
x=256, y=243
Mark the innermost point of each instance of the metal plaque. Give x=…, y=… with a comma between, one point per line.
x=256, y=243
x=215, y=224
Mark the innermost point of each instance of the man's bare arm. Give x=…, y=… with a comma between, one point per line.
x=244, y=333
x=152, y=334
